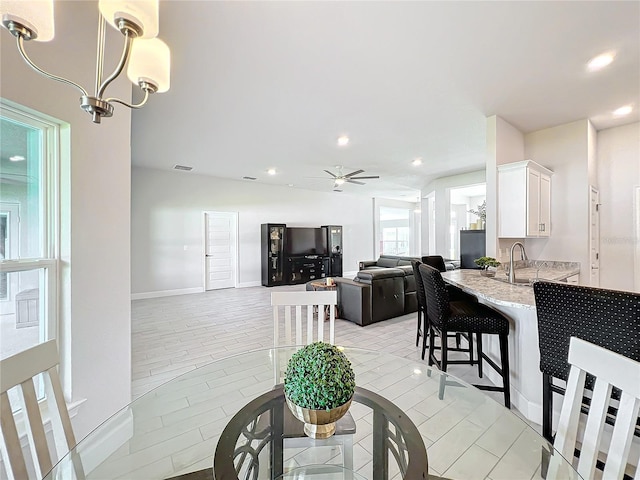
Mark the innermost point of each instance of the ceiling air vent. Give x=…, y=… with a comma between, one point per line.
x=182, y=167
x=249, y=178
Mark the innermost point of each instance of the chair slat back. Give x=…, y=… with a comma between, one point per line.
x=19, y=371
x=320, y=302
x=610, y=370
x=316, y=303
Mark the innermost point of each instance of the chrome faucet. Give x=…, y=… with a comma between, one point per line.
x=523, y=256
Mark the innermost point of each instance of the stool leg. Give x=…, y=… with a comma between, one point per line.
x=458, y=340
x=432, y=341
x=547, y=407
x=418, y=330
x=470, y=336
x=443, y=350
x=504, y=356
x=424, y=337
x=479, y=344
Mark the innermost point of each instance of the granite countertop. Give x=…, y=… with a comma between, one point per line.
x=503, y=293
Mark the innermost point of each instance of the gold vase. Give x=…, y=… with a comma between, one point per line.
x=318, y=423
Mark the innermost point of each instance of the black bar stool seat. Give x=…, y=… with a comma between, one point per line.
x=446, y=316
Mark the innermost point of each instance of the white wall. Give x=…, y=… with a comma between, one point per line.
x=441, y=188
x=505, y=144
x=564, y=150
x=618, y=177
x=167, y=228
x=95, y=330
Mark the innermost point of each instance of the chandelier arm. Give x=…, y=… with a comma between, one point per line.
x=122, y=102
x=20, y=42
x=123, y=61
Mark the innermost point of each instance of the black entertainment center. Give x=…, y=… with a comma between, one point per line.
x=292, y=255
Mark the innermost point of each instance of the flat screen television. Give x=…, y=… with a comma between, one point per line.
x=306, y=241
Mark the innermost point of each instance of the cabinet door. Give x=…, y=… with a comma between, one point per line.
x=545, y=205
x=533, y=203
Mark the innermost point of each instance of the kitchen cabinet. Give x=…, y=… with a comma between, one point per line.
x=524, y=200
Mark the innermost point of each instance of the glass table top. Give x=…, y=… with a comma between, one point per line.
x=175, y=429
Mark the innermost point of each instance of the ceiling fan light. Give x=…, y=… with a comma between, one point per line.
x=36, y=16
x=150, y=62
x=143, y=13
x=339, y=181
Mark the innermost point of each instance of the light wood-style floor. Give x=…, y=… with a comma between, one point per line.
x=173, y=335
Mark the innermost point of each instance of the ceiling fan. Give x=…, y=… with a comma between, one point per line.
x=340, y=179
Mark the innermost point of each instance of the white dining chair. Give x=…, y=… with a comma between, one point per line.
x=19, y=371
x=305, y=315
x=318, y=306
x=610, y=370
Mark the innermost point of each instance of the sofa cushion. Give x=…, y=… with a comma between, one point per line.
x=370, y=275
x=387, y=262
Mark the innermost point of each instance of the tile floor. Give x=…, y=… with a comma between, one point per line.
x=174, y=335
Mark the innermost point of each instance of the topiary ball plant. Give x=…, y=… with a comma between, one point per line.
x=319, y=377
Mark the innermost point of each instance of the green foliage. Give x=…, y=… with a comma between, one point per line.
x=481, y=212
x=484, y=262
x=320, y=377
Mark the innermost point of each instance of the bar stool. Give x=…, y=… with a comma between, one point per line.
x=423, y=329
x=446, y=316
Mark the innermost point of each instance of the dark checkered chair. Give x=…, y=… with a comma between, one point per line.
x=435, y=261
x=446, y=315
x=607, y=318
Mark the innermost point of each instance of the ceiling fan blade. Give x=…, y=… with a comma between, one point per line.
x=336, y=190
x=353, y=173
x=330, y=173
x=353, y=181
x=364, y=178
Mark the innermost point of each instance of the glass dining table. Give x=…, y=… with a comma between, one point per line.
x=225, y=421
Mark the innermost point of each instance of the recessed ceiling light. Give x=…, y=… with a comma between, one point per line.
x=271, y=171
x=601, y=61
x=416, y=162
x=290, y=185
x=620, y=112
x=16, y=158
x=343, y=140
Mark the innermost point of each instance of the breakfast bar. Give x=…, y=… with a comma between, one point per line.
x=516, y=302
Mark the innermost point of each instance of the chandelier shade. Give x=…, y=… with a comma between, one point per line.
x=150, y=62
x=36, y=16
x=146, y=57
x=142, y=13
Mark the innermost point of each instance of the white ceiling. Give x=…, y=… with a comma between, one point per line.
x=273, y=84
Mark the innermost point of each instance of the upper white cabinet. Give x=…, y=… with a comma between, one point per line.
x=524, y=200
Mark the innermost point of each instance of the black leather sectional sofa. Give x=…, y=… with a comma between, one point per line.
x=382, y=289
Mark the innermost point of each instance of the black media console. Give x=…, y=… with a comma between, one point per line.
x=304, y=269
x=293, y=255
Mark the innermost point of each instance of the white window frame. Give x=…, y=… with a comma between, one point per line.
x=49, y=216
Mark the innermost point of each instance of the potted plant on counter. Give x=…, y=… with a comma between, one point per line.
x=318, y=386
x=489, y=266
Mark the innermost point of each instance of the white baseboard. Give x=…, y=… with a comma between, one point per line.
x=99, y=447
x=166, y=293
x=249, y=284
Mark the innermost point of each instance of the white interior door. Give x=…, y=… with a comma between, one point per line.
x=594, y=236
x=220, y=250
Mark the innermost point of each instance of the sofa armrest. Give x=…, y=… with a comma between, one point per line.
x=354, y=301
x=367, y=263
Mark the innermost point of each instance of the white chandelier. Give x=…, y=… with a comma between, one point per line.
x=147, y=58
